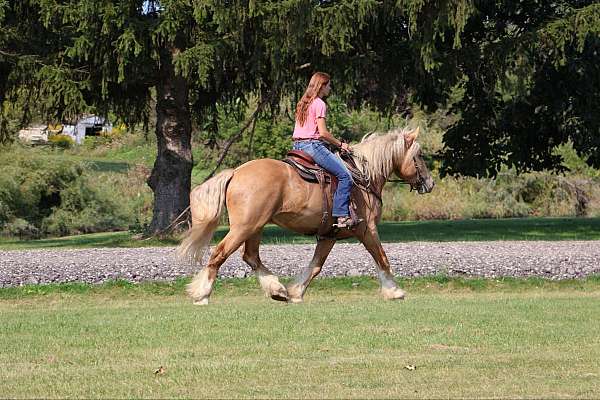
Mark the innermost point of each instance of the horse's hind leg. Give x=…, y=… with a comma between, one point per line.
x=202, y=284
x=268, y=281
x=296, y=290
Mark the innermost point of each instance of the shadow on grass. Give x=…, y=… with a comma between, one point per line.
x=105, y=239
x=492, y=229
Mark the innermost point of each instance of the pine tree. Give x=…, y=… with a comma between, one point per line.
x=529, y=69
x=74, y=56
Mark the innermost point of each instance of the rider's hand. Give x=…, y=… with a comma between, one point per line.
x=346, y=147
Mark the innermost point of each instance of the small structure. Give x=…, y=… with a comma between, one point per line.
x=36, y=134
x=92, y=125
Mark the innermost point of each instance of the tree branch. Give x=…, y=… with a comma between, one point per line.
x=238, y=135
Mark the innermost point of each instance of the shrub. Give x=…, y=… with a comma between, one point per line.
x=21, y=228
x=62, y=141
x=39, y=195
x=116, y=132
x=271, y=139
x=94, y=142
x=8, y=197
x=98, y=203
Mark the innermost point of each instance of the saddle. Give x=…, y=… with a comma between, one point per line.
x=311, y=172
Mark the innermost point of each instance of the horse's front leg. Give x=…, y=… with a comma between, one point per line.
x=389, y=289
x=297, y=289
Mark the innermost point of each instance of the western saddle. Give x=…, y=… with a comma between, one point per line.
x=311, y=172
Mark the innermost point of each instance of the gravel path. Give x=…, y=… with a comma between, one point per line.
x=554, y=260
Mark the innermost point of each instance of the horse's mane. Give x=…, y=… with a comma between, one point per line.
x=380, y=151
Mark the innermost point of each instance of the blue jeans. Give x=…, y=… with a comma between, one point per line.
x=334, y=164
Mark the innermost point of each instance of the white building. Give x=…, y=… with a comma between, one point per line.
x=88, y=126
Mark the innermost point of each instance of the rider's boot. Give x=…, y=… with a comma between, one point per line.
x=346, y=222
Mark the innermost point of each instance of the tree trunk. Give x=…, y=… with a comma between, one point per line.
x=171, y=176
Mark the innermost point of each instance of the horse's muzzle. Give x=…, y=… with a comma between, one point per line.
x=426, y=186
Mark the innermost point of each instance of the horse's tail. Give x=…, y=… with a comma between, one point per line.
x=207, y=202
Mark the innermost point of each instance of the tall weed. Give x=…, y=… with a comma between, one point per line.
x=509, y=196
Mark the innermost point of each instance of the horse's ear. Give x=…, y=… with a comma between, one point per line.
x=367, y=136
x=410, y=137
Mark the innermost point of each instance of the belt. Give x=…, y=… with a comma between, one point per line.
x=304, y=139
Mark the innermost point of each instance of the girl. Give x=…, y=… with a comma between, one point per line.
x=310, y=135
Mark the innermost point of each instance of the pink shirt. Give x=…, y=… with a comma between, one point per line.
x=316, y=109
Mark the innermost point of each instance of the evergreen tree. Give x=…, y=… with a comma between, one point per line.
x=529, y=69
x=84, y=55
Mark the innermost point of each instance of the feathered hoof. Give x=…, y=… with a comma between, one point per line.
x=279, y=293
x=279, y=297
x=393, y=294
x=201, y=302
x=295, y=293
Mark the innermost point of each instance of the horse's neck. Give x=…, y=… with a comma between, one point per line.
x=378, y=181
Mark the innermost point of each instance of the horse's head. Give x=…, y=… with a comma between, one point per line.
x=412, y=168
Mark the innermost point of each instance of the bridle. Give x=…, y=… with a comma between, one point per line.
x=363, y=181
x=417, y=183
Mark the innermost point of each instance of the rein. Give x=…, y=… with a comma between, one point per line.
x=415, y=185
x=364, y=182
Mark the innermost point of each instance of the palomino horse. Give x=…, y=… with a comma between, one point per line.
x=263, y=191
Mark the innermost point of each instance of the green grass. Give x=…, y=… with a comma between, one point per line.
x=442, y=231
x=97, y=164
x=535, y=339
x=107, y=239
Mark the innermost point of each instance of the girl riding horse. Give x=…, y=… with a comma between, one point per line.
x=311, y=135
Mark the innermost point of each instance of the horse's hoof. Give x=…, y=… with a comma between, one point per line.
x=393, y=294
x=279, y=297
x=201, y=302
x=295, y=300
x=278, y=292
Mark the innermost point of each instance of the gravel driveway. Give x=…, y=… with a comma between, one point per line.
x=555, y=260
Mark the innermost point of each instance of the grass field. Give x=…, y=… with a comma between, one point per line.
x=467, y=230
x=464, y=338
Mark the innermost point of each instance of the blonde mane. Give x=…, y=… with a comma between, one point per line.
x=381, y=152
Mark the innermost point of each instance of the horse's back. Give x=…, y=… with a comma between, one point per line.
x=261, y=173
x=269, y=189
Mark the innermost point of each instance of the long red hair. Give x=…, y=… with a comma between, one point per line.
x=317, y=82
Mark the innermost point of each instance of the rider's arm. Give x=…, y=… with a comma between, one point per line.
x=325, y=135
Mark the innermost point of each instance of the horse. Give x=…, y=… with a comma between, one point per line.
x=271, y=191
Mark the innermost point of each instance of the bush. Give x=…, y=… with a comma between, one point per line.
x=116, y=132
x=8, y=197
x=62, y=141
x=94, y=142
x=44, y=196
x=271, y=139
x=508, y=196
x=84, y=209
x=21, y=228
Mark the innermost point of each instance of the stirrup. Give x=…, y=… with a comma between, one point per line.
x=346, y=223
